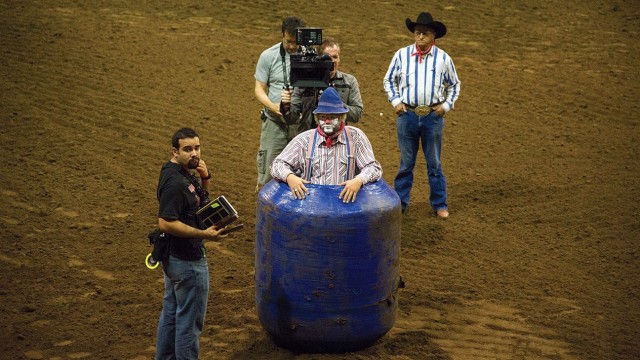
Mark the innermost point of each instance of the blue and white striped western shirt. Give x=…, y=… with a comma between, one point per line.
x=432, y=81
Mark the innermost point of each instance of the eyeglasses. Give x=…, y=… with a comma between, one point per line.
x=423, y=33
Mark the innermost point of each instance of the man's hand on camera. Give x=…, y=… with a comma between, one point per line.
x=286, y=96
x=285, y=102
x=296, y=184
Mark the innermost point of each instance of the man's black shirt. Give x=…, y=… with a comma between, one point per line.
x=179, y=201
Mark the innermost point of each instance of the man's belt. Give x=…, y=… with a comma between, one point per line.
x=422, y=110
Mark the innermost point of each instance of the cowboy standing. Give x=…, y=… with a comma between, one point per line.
x=331, y=154
x=422, y=85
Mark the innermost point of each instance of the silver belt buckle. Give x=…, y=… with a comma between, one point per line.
x=422, y=110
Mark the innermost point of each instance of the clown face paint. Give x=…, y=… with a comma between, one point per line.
x=330, y=123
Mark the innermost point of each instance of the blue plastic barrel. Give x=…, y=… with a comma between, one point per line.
x=327, y=272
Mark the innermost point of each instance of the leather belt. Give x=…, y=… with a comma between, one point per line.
x=422, y=110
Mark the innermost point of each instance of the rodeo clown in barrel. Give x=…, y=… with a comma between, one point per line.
x=331, y=154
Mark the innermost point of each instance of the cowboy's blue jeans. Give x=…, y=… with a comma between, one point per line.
x=186, y=288
x=414, y=130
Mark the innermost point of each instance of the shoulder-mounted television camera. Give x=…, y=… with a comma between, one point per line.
x=308, y=69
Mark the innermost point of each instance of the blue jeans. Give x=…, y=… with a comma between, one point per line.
x=413, y=130
x=186, y=289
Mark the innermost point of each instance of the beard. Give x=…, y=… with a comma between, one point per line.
x=193, y=163
x=328, y=129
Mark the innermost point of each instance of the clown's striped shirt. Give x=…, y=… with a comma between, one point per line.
x=328, y=164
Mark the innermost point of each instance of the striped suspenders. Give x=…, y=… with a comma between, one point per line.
x=351, y=162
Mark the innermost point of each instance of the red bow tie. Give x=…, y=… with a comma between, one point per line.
x=329, y=139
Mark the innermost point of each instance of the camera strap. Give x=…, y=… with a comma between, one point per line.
x=202, y=193
x=284, y=65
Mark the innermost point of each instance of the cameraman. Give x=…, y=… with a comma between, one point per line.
x=186, y=271
x=302, y=102
x=272, y=79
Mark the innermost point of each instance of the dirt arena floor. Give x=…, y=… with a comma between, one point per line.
x=539, y=260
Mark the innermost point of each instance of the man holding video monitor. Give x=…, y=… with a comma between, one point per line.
x=186, y=271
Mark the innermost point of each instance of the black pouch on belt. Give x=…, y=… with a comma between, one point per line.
x=160, y=242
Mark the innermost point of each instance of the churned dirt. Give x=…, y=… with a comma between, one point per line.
x=539, y=260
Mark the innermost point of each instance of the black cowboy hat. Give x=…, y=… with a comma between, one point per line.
x=425, y=19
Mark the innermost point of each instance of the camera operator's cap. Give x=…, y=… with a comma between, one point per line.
x=330, y=103
x=425, y=18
